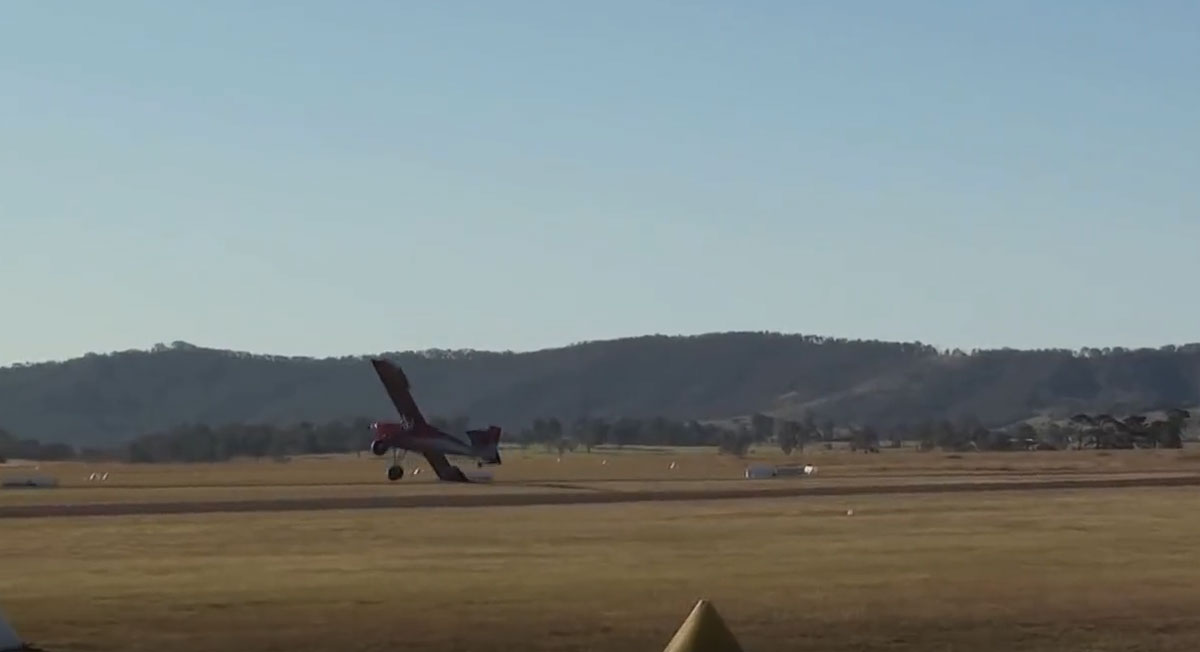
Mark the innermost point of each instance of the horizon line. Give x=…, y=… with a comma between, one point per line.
x=161, y=347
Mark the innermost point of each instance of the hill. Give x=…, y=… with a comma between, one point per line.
x=102, y=399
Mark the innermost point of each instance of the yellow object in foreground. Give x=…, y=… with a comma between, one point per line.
x=703, y=631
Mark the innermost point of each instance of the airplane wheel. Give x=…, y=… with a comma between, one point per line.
x=379, y=447
x=395, y=472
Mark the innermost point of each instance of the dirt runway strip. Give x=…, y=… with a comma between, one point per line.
x=579, y=498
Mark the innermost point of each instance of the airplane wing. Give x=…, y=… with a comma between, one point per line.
x=444, y=469
x=396, y=384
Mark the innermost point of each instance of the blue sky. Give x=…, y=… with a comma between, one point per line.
x=325, y=178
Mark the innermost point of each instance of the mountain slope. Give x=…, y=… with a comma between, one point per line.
x=103, y=399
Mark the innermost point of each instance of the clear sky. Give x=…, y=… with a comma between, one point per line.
x=348, y=177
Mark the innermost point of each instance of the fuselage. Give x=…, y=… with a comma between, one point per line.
x=421, y=438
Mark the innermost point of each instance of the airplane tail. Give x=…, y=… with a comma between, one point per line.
x=487, y=442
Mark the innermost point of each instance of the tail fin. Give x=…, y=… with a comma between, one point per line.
x=487, y=442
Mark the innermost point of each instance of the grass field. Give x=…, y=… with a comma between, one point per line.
x=630, y=464
x=1104, y=569
x=532, y=471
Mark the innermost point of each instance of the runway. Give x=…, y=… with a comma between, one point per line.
x=790, y=488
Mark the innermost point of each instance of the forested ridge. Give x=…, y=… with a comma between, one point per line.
x=101, y=400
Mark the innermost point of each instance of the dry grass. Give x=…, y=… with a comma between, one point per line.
x=629, y=464
x=535, y=471
x=1099, y=570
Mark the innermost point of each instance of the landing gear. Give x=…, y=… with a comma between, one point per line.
x=395, y=471
x=379, y=447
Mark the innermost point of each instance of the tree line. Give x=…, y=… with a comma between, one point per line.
x=200, y=442
x=13, y=447
x=102, y=399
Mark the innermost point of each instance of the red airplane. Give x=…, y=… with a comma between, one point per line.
x=413, y=433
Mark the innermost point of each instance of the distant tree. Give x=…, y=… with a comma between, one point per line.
x=950, y=437
x=1134, y=431
x=1169, y=431
x=865, y=438
x=1026, y=431
x=1027, y=436
x=809, y=422
x=1083, y=427
x=554, y=428
x=524, y=438
x=971, y=433
x=736, y=443
x=788, y=435
x=597, y=434
x=625, y=432
x=540, y=432
x=762, y=426
x=1056, y=436
x=997, y=440
x=926, y=434
x=7, y=444
x=56, y=452
x=828, y=430
x=579, y=431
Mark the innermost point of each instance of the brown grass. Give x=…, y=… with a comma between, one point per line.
x=1081, y=570
x=536, y=471
x=628, y=464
